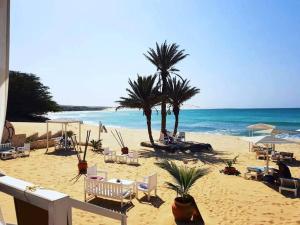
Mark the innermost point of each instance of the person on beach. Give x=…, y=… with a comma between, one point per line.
x=282, y=172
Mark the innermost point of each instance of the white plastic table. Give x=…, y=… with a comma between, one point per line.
x=128, y=184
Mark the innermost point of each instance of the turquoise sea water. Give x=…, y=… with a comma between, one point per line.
x=223, y=121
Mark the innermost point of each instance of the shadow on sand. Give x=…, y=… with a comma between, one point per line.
x=62, y=152
x=286, y=194
x=206, y=157
x=112, y=205
x=155, y=201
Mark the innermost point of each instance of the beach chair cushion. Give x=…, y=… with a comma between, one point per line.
x=255, y=169
x=96, y=177
x=143, y=185
x=5, y=147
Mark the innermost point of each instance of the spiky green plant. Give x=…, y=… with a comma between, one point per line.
x=184, y=177
x=179, y=91
x=231, y=162
x=96, y=144
x=165, y=57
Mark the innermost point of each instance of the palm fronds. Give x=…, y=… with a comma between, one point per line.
x=165, y=56
x=180, y=91
x=184, y=177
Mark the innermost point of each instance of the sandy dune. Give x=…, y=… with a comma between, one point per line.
x=226, y=200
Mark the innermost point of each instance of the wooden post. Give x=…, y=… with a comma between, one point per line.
x=100, y=128
x=47, y=137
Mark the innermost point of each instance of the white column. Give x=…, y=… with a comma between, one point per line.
x=4, y=60
x=47, y=136
x=66, y=136
x=79, y=133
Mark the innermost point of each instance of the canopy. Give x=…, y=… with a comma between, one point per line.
x=4, y=60
x=64, y=123
x=260, y=126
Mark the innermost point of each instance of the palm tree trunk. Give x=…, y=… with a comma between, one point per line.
x=148, y=117
x=163, y=104
x=176, y=114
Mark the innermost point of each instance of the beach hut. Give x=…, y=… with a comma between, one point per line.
x=260, y=127
x=64, y=123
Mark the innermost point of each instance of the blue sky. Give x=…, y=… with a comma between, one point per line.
x=242, y=53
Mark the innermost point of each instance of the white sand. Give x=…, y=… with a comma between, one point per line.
x=221, y=199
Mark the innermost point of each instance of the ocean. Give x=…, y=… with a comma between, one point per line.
x=220, y=121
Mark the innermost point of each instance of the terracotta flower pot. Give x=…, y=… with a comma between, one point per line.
x=230, y=170
x=82, y=167
x=182, y=210
x=124, y=150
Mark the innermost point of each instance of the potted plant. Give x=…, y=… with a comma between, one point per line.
x=96, y=145
x=184, y=177
x=82, y=163
x=229, y=168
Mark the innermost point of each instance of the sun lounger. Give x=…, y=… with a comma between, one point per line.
x=181, y=137
x=256, y=148
x=289, y=185
x=24, y=151
x=147, y=185
x=108, y=189
x=7, y=151
x=254, y=172
x=287, y=156
x=261, y=155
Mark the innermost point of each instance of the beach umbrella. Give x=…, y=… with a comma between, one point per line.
x=4, y=60
x=252, y=140
x=289, y=132
x=268, y=140
x=273, y=140
x=259, y=127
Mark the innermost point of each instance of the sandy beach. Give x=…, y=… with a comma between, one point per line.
x=222, y=199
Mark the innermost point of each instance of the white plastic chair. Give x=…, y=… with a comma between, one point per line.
x=24, y=151
x=93, y=172
x=147, y=185
x=109, y=155
x=181, y=136
x=288, y=185
x=2, y=222
x=132, y=157
x=7, y=151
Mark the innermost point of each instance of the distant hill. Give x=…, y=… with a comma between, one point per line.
x=82, y=108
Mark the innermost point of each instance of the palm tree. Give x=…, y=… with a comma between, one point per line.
x=164, y=58
x=179, y=91
x=143, y=94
